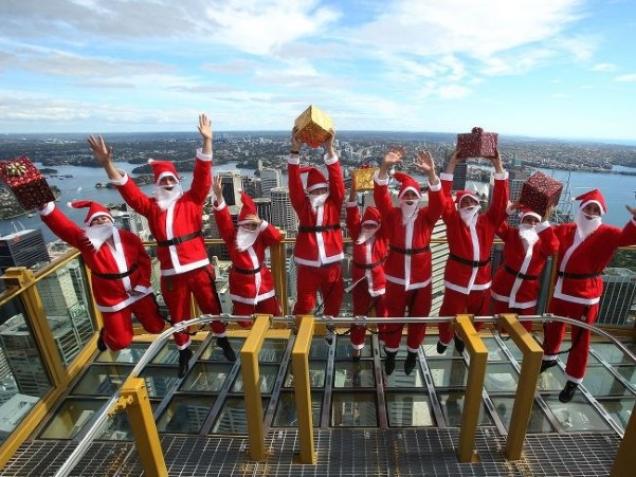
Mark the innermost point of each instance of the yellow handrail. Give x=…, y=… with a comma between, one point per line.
x=302, y=389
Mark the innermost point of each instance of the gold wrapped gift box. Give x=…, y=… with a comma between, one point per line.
x=313, y=126
x=363, y=178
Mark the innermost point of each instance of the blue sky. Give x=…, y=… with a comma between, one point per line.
x=547, y=68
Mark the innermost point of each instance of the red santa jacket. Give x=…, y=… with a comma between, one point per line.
x=468, y=266
x=368, y=258
x=409, y=260
x=245, y=285
x=510, y=285
x=127, y=258
x=581, y=262
x=181, y=221
x=319, y=240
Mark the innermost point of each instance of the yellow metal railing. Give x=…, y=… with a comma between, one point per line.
x=302, y=388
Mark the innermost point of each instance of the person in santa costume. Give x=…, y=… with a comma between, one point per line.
x=515, y=287
x=175, y=220
x=318, y=251
x=586, y=247
x=467, y=277
x=251, y=282
x=367, y=275
x=120, y=271
x=408, y=265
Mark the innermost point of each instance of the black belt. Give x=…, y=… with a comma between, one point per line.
x=579, y=276
x=470, y=263
x=410, y=251
x=519, y=274
x=178, y=240
x=315, y=228
x=246, y=271
x=117, y=276
x=368, y=266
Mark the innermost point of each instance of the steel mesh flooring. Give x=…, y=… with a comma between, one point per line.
x=424, y=452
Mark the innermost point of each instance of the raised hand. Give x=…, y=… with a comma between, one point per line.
x=353, y=195
x=392, y=157
x=329, y=142
x=497, y=162
x=217, y=188
x=102, y=153
x=205, y=127
x=424, y=162
x=295, y=142
x=254, y=218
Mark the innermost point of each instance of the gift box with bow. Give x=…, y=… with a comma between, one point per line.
x=477, y=143
x=26, y=182
x=540, y=193
x=313, y=126
x=363, y=178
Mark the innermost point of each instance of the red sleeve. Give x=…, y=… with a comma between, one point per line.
x=381, y=197
x=336, y=180
x=448, y=207
x=270, y=234
x=224, y=222
x=201, y=178
x=65, y=228
x=295, y=183
x=504, y=230
x=549, y=240
x=499, y=202
x=436, y=203
x=353, y=221
x=143, y=260
x=628, y=234
x=134, y=197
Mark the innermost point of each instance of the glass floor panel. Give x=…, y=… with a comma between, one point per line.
x=185, y=414
x=354, y=375
x=213, y=353
x=619, y=409
x=267, y=379
x=102, y=380
x=449, y=372
x=628, y=372
x=452, y=403
x=286, y=410
x=501, y=377
x=160, y=381
x=232, y=419
x=601, y=382
x=206, y=377
x=430, y=349
x=317, y=375
x=319, y=349
x=354, y=410
x=71, y=417
x=129, y=355
x=169, y=354
x=344, y=349
x=611, y=353
x=399, y=379
x=552, y=379
x=576, y=416
x=539, y=422
x=409, y=409
x=495, y=353
x=273, y=351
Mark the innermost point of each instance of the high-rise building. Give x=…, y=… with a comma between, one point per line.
x=251, y=186
x=24, y=248
x=439, y=257
x=270, y=179
x=264, y=208
x=231, y=183
x=127, y=218
x=283, y=214
x=518, y=174
x=459, y=176
x=618, y=296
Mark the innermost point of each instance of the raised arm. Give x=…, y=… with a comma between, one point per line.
x=353, y=215
x=202, y=175
x=133, y=196
x=64, y=227
x=628, y=234
x=448, y=207
x=549, y=238
x=381, y=183
x=222, y=214
x=270, y=234
x=436, y=200
x=499, y=201
x=336, y=180
x=504, y=231
x=295, y=183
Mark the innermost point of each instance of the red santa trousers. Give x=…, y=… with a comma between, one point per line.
x=502, y=307
x=554, y=332
x=363, y=305
x=327, y=280
x=418, y=302
x=455, y=303
x=118, y=329
x=176, y=291
x=265, y=307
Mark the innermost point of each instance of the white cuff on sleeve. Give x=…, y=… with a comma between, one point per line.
x=330, y=160
x=47, y=209
x=122, y=181
x=294, y=160
x=264, y=224
x=435, y=187
x=543, y=226
x=220, y=205
x=351, y=204
x=445, y=176
x=378, y=181
x=501, y=176
x=203, y=157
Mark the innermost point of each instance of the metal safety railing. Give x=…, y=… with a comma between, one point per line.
x=304, y=327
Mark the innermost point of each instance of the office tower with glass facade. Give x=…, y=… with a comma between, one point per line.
x=24, y=248
x=283, y=214
x=264, y=208
x=618, y=296
x=439, y=256
x=270, y=179
x=459, y=176
x=231, y=183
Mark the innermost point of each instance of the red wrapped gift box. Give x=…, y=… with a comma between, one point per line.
x=26, y=183
x=476, y=143
x=540, y=192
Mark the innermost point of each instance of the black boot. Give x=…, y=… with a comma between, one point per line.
x=409, y=364
x=184, y=361
x=101, y=344
x=228, y=352
x=459, y=344
x=547, y=364
x=389, y=362
x=568, y=391
x=441, y=347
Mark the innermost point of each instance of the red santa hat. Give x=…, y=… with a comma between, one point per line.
x=315, y=178
x=593, y=197
x=95, y=209
x=407, y=184
x=371, y=216
x=161, y=169
x=248, y=208
x=528, y=212
x=465, y=193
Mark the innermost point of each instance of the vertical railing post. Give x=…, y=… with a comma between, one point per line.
x=251, y=385
x=476, y=373
x=302, y=389
x=134, y=398
x=279, y=270
x=524, y=398
x=625, y=462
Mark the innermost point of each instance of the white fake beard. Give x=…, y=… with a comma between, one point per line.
x=245, y=238
x=365, y=235
x=166, y=197
x=585, y=226
x=318, y=200
x=528, y=234
x=408, y=210
x=98, y=234
x=468, y=214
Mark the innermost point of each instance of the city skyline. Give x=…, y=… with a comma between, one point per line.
x=546, y=69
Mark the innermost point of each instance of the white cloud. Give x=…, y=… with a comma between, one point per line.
x=604, y=67
x=631, y=77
